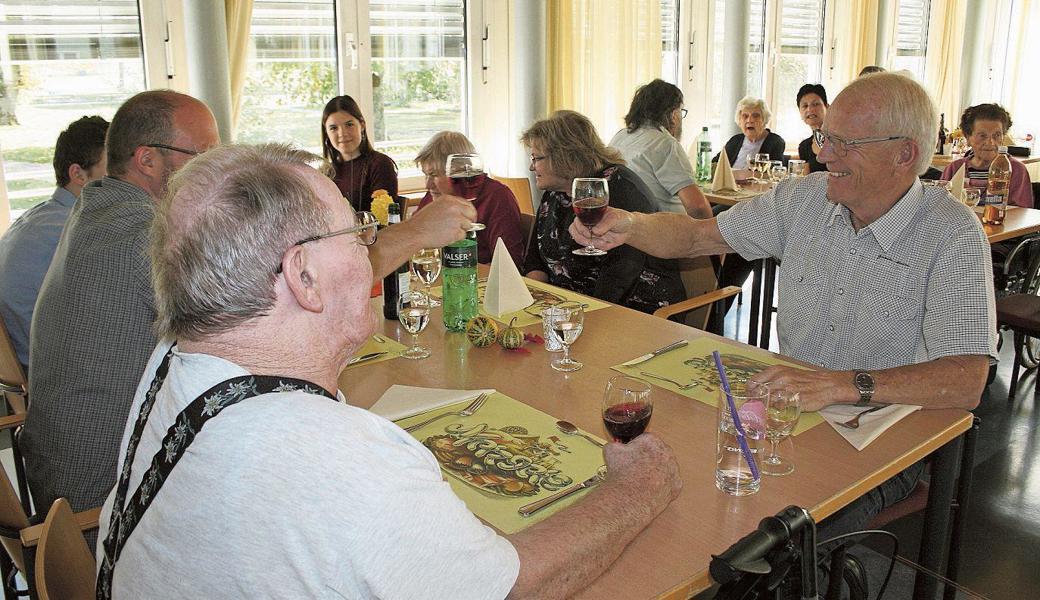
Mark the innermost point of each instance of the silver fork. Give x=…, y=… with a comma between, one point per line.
x=853, y=423
x=681, y=386
x=466, y=412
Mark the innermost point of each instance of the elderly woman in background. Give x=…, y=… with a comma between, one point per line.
x=495, y=203
x=566, y=146
x=984, y=126
x=812, y=105
x=752, y=116
x=360, y=170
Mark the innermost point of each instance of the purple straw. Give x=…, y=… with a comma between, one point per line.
x=741, y=436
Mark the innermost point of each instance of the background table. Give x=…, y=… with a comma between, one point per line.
x=670, y=559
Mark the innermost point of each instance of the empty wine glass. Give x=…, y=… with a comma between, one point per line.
x=426, y=266
x=589, y=199
x=778, y=172
x=413, y=310
x=761, y=167
x=466, y=172
x=627, y=406
x=783, y=408
x=567, y=322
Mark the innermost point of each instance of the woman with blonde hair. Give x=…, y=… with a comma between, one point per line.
x=563, y=147
x=495, y=203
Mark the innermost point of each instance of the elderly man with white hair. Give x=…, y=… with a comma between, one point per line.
x=886, y=285
x=752, y=117
x=242, y=472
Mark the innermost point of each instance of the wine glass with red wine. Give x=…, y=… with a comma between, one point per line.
x=589, y=199
x=627, y=407
x=466, y=172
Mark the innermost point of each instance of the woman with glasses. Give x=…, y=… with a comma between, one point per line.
x=360, y=170
x=812, y=105
x=752, y=116
x=564, y=147
x=984, y=126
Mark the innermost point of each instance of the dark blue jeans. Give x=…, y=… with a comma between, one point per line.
x=855, y=516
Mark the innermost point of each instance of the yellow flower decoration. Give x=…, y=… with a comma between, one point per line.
x=380, y=203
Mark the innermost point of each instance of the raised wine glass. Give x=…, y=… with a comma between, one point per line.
x=627, y=406
x=783, y=409
x=763, y=161
x=413, y=310
x=567, y=320
x=466, y=172
x=589, y=199
x=426, y=266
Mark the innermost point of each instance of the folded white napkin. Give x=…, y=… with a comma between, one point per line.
x=724, y=179
x=870, y=426
x=402, y=401
x=506, y=291
x=957, y=184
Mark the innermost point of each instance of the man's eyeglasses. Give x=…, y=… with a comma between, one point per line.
x=365, y=230
x=174, y=148
x=841, y=147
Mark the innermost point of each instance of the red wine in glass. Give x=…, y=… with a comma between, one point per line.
x=466, y=187
x=467, y=175
x=626, y=421
x=590, y=210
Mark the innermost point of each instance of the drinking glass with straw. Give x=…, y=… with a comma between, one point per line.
x=740, y=432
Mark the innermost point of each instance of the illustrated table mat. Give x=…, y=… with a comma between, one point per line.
x=544, y=295
x=506, y=455
x=378, y=343
x=694, y=363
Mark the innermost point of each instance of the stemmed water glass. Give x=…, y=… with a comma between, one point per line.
x=778, y=172
x=426, y=266
x=465, y=172
x=627, y=406
x=589, y=199
x=567, y=320
x=783, y=409
x=413, y=310
x=762, y=162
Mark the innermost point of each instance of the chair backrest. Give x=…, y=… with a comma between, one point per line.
x=527, y=229
x=12, y=520
x=521, y=188
x=13, y=382
x=65, y=569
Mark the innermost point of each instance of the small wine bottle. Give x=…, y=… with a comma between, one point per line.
x=397, y=282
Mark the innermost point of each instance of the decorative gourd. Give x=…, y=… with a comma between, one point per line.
x=481, y=331
x=512, y=337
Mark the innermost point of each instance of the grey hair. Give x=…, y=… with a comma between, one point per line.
x=751, y=103
x=906, y=110
x=238, y=208
x=442, y=145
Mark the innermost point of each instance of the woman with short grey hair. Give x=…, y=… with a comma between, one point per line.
x=752, y=116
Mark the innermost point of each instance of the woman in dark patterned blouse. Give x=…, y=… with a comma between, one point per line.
x=360, y=170
x=566, y=146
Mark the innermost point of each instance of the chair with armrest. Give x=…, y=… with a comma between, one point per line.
x=14, y=385
x=65, y=568
x=706, y=299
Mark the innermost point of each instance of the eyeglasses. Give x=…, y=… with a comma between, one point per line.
x=366, y=231
x=684, y=112
x=841, y=147
x=174, y=148
x=535, y=159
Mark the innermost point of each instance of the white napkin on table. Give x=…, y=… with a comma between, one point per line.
x=870, y=426
x=506, y=291
x=402, y=401
x=957, y=184
x=724, y=179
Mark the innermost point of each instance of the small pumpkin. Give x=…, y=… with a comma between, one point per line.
x=481, y=331
x=512, y=337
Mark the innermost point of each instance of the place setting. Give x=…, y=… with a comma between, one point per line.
x=377, y=348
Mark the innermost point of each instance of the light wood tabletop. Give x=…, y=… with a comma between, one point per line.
x=670, y=558
x=1018, y=222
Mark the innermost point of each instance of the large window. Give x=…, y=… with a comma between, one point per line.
x=799, y=61
x=670, y=41
x=60, y=60
x=292, y=72
x=911, y=36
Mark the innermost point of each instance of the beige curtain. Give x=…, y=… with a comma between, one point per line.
x=856, y=28
x=599, y=52
x=943, y=57
x=1022, y=86
x=238, y=14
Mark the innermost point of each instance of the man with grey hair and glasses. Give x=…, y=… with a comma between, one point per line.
x=886, y=285
x=262, y=278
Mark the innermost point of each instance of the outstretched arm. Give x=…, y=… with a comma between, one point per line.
x=665, y=235
x=438, y=224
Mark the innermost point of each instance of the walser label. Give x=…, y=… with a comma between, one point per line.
x=459, y=257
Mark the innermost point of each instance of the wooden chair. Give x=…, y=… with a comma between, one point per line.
x=521, y=188
x=65, y=568
x=696, y=302
x=527, y=229
x=14, y=385
x=1020, y=313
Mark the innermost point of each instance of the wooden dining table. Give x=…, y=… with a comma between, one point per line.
x=670, y=558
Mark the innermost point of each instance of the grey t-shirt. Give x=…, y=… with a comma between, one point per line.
x=292, y=495
x=660, y=162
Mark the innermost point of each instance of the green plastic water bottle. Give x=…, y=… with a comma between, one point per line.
x=459, y=277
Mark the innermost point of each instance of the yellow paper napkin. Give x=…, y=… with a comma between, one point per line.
x=724, y=179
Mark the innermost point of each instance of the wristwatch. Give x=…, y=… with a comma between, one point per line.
x=865, y=384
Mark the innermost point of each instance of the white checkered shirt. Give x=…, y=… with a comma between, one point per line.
x=913, y=286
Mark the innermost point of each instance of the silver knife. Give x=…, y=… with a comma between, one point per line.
x=646, y=357
x=364, y=357
x=529, y=509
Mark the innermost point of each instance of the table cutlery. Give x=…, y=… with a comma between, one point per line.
x=529, y=509
x=655, y=353
x=473, y=407
x=853, y=423
x=366, y=357
x=571, y=429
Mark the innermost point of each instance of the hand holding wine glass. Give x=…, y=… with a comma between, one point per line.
x=466, y=172
x=413, y=310
x=589, y=199
x=627, y=406
x=783, y=409
x=567, y=319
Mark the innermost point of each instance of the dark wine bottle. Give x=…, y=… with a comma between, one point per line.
x=396, y=283
x=940, y=145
